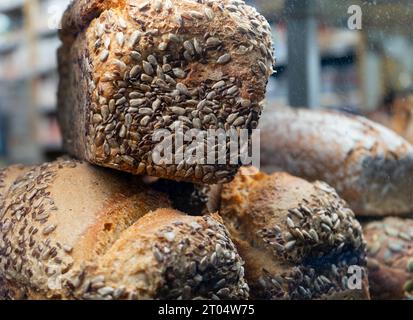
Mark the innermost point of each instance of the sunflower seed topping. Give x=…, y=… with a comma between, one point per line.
x=49, y=229
x=136, y=56
x=137, y=102
x=135, y=38
x=144, y=6
x=209, y=13
x=147, y=67
x=213, y=42
x=263, y=67
x=182, y=89
x=218, y=85
x=104, y=55
x=145, y=91
x=135, y=71
x=179, y=73
x=224, y=59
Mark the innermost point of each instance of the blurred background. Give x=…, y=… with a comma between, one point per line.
x=353, y=56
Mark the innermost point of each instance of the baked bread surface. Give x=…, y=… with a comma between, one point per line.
x=72, y=231
x=131, y=67
x=370, y=166
x=298, y=239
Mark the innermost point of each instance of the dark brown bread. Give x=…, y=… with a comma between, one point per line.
x=131, y=67
x=390, y=258
x=72, y=231
x=298, y=239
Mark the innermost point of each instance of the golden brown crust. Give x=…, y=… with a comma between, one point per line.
x=131, y=67
x=73, y=231
x=80, y=13
x=190, y=257
x=8, y=175
x=53, y=214
x=369, y=165
x=390, y=258
x=297, y=239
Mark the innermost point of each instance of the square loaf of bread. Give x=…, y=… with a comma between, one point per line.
x=130, y=67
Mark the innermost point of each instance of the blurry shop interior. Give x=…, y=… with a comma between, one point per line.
x=324, y=60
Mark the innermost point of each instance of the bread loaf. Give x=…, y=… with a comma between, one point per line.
x=298, y=239
x=72, y=231
x=370, y=166
x=131, y=68
x=390, y=258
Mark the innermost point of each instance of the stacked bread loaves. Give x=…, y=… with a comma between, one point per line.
x=72, y=231
x=131, y=68
x=299, y=240
x=390, y=258
x=370, y=166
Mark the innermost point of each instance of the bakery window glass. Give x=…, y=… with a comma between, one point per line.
x=213, y=149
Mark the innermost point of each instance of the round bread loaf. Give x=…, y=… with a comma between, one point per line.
x=299, y=240
x=72, y=231
x=370, y=166
x=131, y=69
x=390, y=258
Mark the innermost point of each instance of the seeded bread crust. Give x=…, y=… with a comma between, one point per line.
x=73, y=231
x=390, y=258
x=7, y=177
x=297, y=239
x=130, y=67
x=370, y=166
